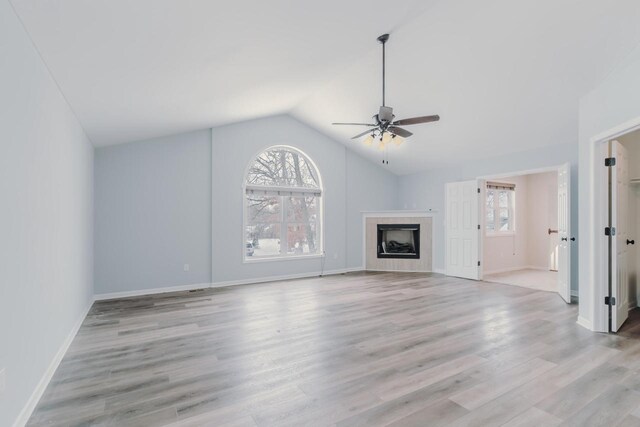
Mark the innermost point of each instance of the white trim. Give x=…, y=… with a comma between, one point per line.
x=584, y=323
x=142, y=292
x=574, y=293
x=595, y=272
x=439, y=271
x=27, y=410
x=399, y=214
x=284, y=277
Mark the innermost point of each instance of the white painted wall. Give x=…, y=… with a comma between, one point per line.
x=46, y=219
x=166, y=184
x=425, y=190
x=153, y=213
x=613, y=103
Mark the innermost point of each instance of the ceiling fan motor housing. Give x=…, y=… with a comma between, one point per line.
x=385, y=114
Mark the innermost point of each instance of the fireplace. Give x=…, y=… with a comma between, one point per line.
x=399, y=241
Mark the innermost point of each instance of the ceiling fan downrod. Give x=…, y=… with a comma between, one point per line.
x=383, y=39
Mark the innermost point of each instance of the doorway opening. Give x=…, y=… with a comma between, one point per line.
x=513, y=229
x=623, y=225
x=520, y=238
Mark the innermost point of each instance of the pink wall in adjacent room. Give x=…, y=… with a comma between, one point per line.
x=536, y=211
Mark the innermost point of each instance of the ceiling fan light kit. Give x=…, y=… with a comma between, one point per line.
x=385, y=129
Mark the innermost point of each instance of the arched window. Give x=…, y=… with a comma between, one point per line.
x=283, y=205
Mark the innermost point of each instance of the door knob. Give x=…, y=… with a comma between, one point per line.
x=573, y=239
x=564, y=239
x=631, y=242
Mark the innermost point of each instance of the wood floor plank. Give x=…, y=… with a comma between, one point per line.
x=368, y=349
x=533, y=417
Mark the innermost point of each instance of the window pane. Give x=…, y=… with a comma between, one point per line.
x=264, y=239
x=490, y=195
x=504, y=199
x=284, y=168
x=490, y=225
x=302, y=209
x=265, y=209
x=504, y=219
x=302, y=231
x=302, y=239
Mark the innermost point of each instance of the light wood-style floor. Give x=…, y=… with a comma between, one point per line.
x=358, y=349
x=539, y=280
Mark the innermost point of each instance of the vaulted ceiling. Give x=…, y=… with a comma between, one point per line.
x=504, y=75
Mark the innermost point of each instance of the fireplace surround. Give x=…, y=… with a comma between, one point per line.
x=409, y=229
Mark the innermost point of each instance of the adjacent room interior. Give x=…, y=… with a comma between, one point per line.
x=319, y=213
x=520, y=240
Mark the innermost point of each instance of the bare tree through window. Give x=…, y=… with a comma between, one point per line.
x=283, y=204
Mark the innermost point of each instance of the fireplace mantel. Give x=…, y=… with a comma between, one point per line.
x=370, y=222
x=396, y=214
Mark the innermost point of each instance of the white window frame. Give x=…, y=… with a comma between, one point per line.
x=511, y=194
x=283, y=193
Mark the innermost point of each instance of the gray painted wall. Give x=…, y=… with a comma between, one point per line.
x=369, y=187
x=46, y=218
x=153, y=213
x=425, y=190
x=349, y=184
x=611, y=104
x=166, y=184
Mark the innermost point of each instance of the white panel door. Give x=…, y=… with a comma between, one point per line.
x=461, y=229
x=564, y=231
x=620, y=217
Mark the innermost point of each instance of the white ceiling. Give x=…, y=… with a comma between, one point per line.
x=504, y=75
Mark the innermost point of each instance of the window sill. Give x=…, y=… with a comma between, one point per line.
x=501, y=234
x=250, y=260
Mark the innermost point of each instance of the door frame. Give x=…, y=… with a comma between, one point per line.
x=482, y=213
x=598, y=256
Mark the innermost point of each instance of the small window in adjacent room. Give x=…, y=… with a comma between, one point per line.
x=283, y=206
x=500, y=208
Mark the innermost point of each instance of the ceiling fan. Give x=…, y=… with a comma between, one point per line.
x=385, y=128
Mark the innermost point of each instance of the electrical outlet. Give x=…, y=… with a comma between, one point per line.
x=186, y=267
x=2, y=381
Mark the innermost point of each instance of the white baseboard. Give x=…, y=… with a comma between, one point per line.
x=283, y=277
x=26, y=412
x=439, y=271
x=143, y=292
x=585, y=323
x=574, y=293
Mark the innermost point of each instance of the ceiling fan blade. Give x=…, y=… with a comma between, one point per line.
x=362, y=134
x=416, y=120
x=354, y=124
x=399, y=131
